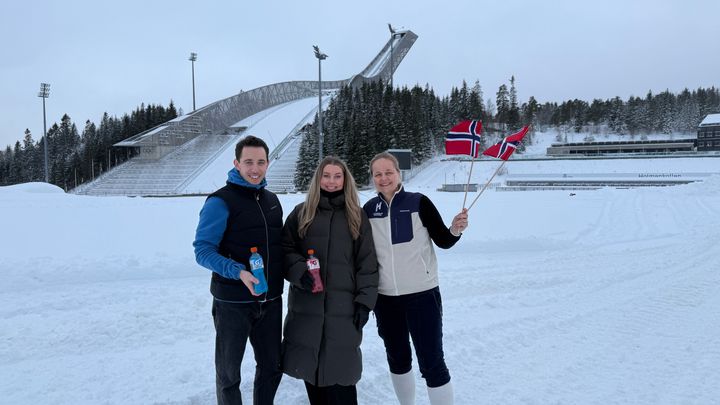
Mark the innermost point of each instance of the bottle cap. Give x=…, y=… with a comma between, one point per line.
x=311, y=251
x=253, y=249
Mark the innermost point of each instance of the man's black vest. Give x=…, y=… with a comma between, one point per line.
x=254, y=220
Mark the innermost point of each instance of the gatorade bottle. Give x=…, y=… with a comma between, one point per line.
x=258, y=270
x=313, y=265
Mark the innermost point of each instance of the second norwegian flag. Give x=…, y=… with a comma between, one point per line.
x=502, y=150
x=506, y=147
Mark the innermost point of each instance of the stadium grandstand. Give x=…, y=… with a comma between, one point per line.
x=615, y=147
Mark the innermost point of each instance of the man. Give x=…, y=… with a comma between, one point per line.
x=235, y=218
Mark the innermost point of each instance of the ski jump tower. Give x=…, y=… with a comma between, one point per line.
x=220, y=115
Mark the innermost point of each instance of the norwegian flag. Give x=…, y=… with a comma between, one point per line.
x=506, y=147
x=464, y=139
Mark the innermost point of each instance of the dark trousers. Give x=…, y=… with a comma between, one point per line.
x=332, y=395
x=234, y=324
x=419, y=316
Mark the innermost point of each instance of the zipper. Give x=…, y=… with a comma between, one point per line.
x=392, y=247
x=324, y=298
x=332, y=214
x=267, y=246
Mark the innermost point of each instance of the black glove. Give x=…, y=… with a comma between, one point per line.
x=362, y=314
x=306, y=281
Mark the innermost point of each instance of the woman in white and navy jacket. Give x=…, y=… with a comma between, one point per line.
x=404, y=226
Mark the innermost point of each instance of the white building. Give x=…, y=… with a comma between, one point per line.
x=709, y=133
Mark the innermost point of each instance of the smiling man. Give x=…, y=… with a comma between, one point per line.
x=240, y=216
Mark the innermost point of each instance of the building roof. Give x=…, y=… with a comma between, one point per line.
x=711, y=119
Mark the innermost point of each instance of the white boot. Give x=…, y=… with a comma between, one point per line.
x=442, y=395
x=404, y=385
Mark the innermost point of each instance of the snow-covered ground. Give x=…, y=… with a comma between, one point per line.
x=602, y=297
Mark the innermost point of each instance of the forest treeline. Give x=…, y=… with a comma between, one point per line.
x=77, y=157
x=363, y=121
x=375, y=117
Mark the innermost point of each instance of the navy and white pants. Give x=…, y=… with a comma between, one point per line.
x=417, y=316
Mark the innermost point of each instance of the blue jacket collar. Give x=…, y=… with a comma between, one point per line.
x=234, y=177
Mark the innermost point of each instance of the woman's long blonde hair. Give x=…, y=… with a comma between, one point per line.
x=352, y=203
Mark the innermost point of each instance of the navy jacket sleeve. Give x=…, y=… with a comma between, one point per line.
x=209, y=233
x=431, y=219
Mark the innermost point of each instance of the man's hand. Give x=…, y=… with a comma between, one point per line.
x=249, y=280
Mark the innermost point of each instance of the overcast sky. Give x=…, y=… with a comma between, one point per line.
x=111, y=57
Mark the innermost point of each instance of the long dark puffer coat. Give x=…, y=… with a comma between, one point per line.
x=321, y=344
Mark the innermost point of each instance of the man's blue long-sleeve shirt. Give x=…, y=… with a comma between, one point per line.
x=209, y=233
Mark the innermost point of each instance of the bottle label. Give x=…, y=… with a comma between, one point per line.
x=257, y=268
x=313, y=265
x=256, y=263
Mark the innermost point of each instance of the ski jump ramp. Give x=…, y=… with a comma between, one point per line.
x=228, y=119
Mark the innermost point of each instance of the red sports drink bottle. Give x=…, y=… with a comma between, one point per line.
x=313, y=265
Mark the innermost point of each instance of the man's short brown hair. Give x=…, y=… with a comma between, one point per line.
x=253, y=141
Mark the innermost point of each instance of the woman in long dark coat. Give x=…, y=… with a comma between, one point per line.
x=323, y=330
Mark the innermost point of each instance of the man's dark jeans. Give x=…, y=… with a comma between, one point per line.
x=234, y=324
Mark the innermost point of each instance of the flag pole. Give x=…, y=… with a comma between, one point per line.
x=486, y=184
x=467, y=186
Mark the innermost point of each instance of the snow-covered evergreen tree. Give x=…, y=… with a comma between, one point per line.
x=307, y=158
x=502, y=102
x=663, y=112
x=513, y=117
x=475, y=108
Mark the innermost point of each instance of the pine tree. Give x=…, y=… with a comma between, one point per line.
x=503, y=105
x=596, y=114
x=616, y=119
x=5, y=166
x=171, y=112
x=90, y=149
x=513, y=117
x=490, y=109
x=637, y=112
x=16, y=174
x=686, y=112
x=307, y=158
x=529, y=116
x=529, y=111
x=30, y=161
x=475, y=102
x=663, y=112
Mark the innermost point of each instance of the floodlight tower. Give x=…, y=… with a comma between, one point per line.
x=320, y=57
x=45, y=93
x=192, y=59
